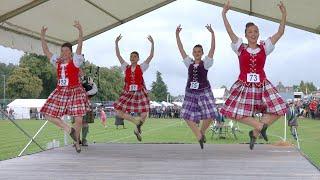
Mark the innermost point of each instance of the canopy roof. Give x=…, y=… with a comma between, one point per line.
x=21, y=20
x=302, y=14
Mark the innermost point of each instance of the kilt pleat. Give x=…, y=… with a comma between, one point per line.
x=245, y=101
x=71, y=101
x=133, y=101
x=198, y=105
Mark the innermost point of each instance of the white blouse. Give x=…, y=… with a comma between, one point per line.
x=77, y=59
x=207, y=62
x=268, y=47
x=144, y=66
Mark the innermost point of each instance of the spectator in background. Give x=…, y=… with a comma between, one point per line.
x=313, y=108
x=292, y=115
x=11, y=112
x=220, y=120
x=119, y=122
x=318, y=109
x=158, y=112
x=103, y=117
x=306, y=109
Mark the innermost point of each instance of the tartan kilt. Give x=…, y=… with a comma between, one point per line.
x=72, y=101
x=133, y=101
x=246, y=101
x=198, y=105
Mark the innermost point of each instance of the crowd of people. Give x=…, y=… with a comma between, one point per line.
x=165, y=112
x=308, y=108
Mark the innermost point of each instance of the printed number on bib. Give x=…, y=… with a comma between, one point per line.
x=253, y=78
x=64, y=82
x=194, y=85
x=133, y=87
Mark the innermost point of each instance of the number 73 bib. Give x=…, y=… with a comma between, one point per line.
x=253, y=78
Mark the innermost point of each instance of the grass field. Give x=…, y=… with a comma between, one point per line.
x=12, y=140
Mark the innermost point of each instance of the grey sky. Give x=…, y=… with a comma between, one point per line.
x=295, y=57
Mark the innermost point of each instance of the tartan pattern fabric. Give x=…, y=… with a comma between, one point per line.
x=133, y=101
x=245, y=101
x=198, y=105
x=71, y=101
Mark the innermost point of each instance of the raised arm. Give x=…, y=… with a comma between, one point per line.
x=80, y=38
x=234, y=38
x=282, y=25
x=44, y=43
x=180, y=46
x=213, y=43
x=148, y=60
x=121, y=60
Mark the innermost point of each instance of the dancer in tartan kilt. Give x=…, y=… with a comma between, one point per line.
x=253, y=93
x=69, y=97
x=134, y=98
x=199, y=103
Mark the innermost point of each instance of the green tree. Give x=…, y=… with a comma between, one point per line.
x=307, y=87
x=302, y=87
x=310, y=87
x=41, y=67
x=159, y=89
x=23, y=84
x=110, y=82
x=5, y=70
x=296, y=88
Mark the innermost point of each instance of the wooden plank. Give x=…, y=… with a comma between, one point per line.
x=162, y=161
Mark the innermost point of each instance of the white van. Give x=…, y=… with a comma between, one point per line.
x=298, y=95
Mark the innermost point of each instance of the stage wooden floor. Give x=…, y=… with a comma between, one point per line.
x=162, y=161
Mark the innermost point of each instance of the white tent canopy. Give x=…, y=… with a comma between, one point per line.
x=21, y=20
x=154, y=104
x=166, y=104
x=219, y=93
x=21, y=107
x=302, y=14
x=179, y=104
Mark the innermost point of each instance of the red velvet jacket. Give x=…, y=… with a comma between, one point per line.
x=135, y=77
x=252, y=63
x=71, y=72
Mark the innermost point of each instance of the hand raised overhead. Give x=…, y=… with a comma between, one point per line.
x=118, y=38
